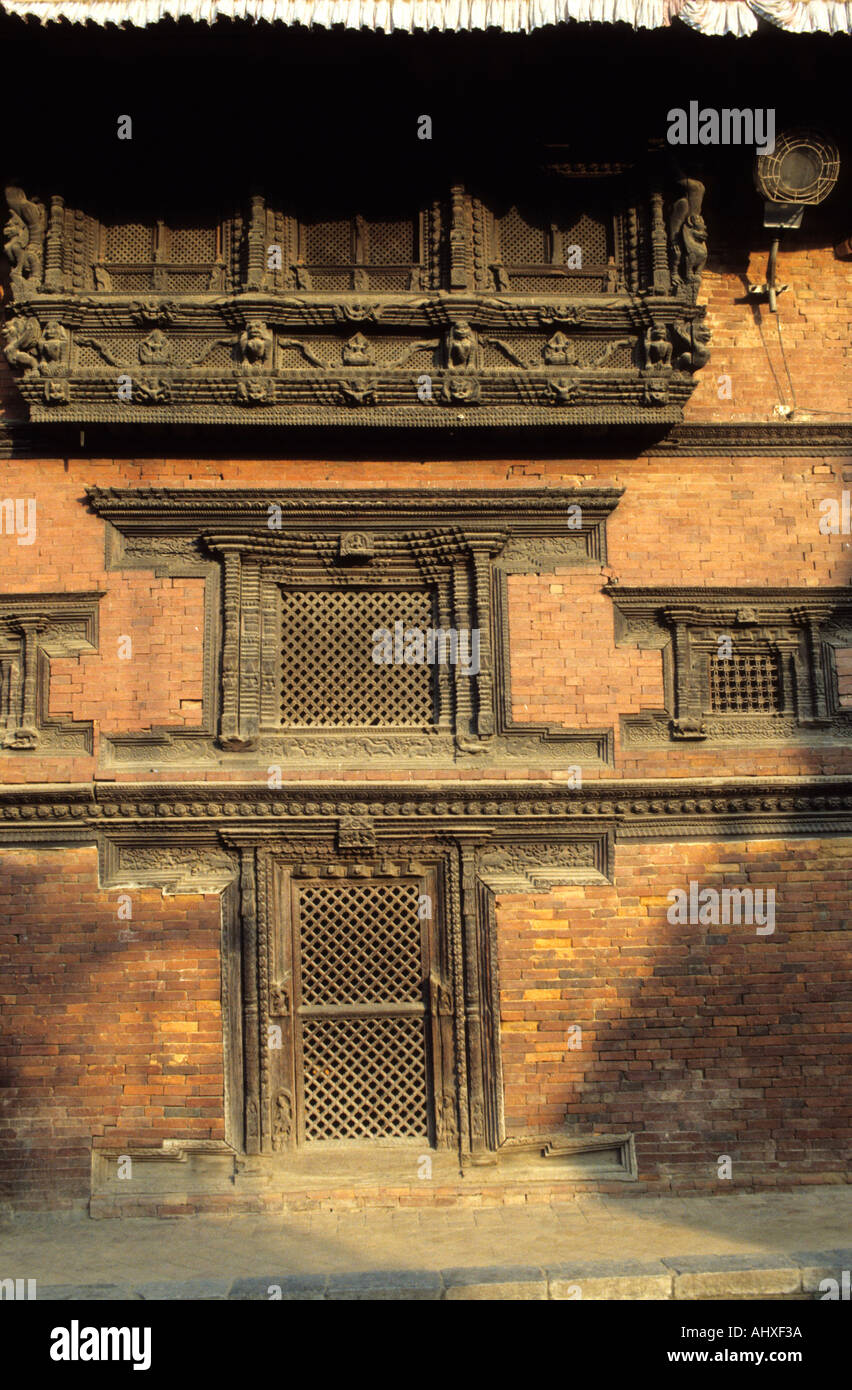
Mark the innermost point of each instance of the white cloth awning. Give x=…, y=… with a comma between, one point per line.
x=738, y=17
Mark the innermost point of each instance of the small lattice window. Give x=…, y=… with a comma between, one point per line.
x=746, y=682
x=330, y=677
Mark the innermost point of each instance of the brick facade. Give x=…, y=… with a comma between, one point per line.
x=701, y=1041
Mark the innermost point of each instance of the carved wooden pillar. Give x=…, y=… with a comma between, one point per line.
x=484, y=678
x=457, y=959
x=251, y=1031
x=461, y=684
x=27, y=731
x=659, y=246
x=229, y=723
x=687, y=705
x=256, y=267
x=445, y=679
x=460, y=273
x=54, y=278
x=249, y=629
x=820, y=699
x=473, y=1001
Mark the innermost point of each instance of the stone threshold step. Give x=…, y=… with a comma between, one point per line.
x=803, y=1275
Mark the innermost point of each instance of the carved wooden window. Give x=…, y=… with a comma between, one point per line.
x=297, y=615
x=329, y=678
x=564, y=298
x=33, y=629
x=357, y=974
x=548, y=251
x=740, y=664
x=178, y=257
x=375, y=252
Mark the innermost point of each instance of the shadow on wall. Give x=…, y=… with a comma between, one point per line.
x=647, y=1006
x=108, y=1025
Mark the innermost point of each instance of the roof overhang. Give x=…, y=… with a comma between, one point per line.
x=712, y=17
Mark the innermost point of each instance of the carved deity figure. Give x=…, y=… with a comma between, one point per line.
x=357, y=543
x=357, y=352
x=688, y=236
x=23, y=237
x=54, y=348
x=255, y=343
x=658, y=349
x=560, y=351
x=155, y=348
x=461, y=345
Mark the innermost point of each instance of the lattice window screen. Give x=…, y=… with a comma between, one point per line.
x=748, y=683
x=364, y=1076
x=520, y=242
x=329, y=678
x=131, y=242
x=188, y=245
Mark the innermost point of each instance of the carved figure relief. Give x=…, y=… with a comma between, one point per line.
x=156, y=348
x=658, y=349
x=688, y=237
x=255, y=345
x=560, y=350
x=461, y=345
x=357, y=352
x=23, y=241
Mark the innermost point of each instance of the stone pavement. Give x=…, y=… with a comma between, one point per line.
x=776, y=1245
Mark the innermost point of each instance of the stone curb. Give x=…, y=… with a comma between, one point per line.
x=676, y=1278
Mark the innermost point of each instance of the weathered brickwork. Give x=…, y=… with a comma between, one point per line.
x=111, y=1027
x=746, y=377
x=704, y=1041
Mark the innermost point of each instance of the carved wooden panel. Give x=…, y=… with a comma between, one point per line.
x=571, y=301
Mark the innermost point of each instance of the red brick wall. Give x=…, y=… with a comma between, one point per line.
x=815, y=320
x=702, y=1040
x=104, y=1035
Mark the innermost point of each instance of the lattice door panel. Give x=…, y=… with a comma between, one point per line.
x=329, y=676
x=371, y=953
x=359, y=979
x=364, y=1078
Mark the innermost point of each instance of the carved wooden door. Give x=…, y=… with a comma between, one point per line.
x=359, y=989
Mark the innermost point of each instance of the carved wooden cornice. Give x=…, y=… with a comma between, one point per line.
x=462, y=313
x=513, y=825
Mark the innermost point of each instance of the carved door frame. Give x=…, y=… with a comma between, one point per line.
x=463, y=1000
